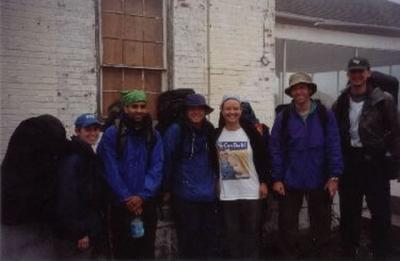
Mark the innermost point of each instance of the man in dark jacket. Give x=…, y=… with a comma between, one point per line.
x=132, y=153
x=306, y=162
x=81, y=190
x=369, y=131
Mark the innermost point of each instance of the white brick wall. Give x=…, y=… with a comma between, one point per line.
x=48, y=61
x=241, y=35
x=189, y=33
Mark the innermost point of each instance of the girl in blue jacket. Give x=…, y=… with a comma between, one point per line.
x=191, y=175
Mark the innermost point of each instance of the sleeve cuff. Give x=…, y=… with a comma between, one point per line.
x=335, y=175
x=124, y=196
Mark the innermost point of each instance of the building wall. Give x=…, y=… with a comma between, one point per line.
x=48, y=56
x=225, y=47
x=324, y=36
x=48, y=61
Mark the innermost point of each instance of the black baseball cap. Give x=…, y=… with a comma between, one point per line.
x=358, y=63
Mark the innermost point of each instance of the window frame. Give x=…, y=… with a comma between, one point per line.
x=163, y=69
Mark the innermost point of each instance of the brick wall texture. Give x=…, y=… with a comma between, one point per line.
x=225, y=47
x=48, y=56
x=48, y=61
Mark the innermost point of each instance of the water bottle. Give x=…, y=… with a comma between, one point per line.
x=137, y=228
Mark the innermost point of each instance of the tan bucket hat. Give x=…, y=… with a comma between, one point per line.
x=301, y=77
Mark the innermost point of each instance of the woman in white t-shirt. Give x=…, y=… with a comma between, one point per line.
x=244, y=174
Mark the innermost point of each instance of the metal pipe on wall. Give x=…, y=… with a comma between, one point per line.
x=208, y=53
x=281, y=91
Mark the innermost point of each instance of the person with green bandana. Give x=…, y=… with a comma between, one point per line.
x=132, y=154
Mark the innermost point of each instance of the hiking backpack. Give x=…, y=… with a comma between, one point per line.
x=386, y=82
x=170, y=108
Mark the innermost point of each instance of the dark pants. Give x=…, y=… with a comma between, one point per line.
x=319, y=211
x=68, y=249
x=242, y=228
x=123, y=245
x=363, y=176
x=196, y=224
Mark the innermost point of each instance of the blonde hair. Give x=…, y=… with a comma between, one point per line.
x=241, y=157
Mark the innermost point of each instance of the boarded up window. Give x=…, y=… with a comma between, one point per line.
x=132, y=48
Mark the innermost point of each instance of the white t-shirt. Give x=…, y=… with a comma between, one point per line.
x=238, y=176
x=354, y=115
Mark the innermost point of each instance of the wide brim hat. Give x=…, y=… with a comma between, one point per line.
x=197, y=100
x=301, y=77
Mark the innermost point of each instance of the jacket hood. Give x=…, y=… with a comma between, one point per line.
x=248, y=114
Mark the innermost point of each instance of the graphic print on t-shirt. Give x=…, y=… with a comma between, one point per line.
x=234, y=162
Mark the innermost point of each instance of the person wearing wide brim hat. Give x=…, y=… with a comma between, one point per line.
x=197, y=100
x=191, y=171
x=306, y=163
x=298, y=78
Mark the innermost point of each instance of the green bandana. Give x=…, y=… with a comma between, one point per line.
x=129, y=97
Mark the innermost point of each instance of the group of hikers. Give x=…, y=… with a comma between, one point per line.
x=217, y=179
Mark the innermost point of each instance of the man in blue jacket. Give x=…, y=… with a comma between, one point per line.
x=132, y=153
x=307, y=161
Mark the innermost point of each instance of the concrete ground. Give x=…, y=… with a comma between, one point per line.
x=271, y=249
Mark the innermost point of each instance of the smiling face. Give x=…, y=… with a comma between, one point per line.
x=231, y=111
x=89, y=134
x=136, y=111
x=196, y=114
x=300, y=93
x=358, y=77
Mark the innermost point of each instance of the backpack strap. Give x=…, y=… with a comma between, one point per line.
x=151, y=141
x=121, y=137
x=323, y=116
x=388, y=131
x=182, y=136
x=284, y=123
